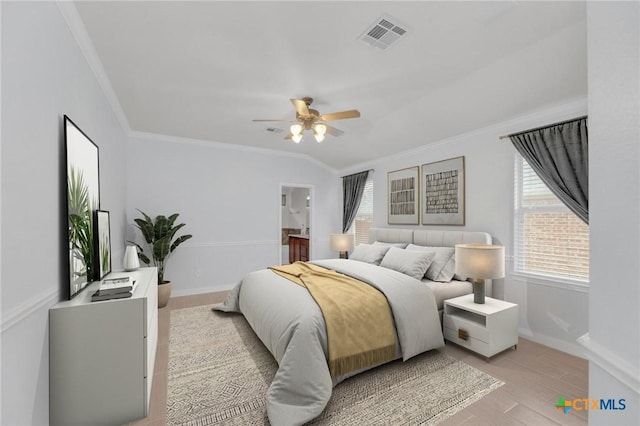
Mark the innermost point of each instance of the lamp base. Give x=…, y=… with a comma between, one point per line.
x=344, y=255
x=478, y=291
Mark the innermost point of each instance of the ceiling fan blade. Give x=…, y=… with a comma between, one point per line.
x=352, y=113
x=289, y=136
x=333, y=131
x=301, y=107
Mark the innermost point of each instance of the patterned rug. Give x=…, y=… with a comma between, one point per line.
x=219, y=373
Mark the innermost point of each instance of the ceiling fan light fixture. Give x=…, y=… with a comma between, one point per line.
x=296, y=137
x=320, y=128
x=296, y=129
x=319, y=137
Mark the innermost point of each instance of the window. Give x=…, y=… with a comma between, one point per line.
x=364, y=217
x=549, y=238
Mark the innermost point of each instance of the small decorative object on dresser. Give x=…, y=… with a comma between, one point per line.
x=160, y=236
x=102, y=241
x=485, y=329
x=131, y=261
x=479, y=262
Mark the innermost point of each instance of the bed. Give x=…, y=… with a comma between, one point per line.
x=291, y=325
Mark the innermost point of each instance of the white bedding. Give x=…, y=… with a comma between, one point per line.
x=290, y=324
x=449, y=290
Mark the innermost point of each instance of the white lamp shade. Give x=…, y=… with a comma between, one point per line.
x=131, y=262
x=482, y=261
x=297, y=138
x=341, y=242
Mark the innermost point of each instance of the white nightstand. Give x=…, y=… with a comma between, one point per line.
x=485, y=329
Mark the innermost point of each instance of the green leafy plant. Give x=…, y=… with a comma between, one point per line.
x=80, y=223
x=160, y=236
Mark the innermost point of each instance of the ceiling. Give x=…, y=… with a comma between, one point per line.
x=203, y=70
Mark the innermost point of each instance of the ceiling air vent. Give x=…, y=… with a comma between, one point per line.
x=383, y=33
x=274, y=130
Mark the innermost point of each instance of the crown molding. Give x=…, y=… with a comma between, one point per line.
x=78, y=30
x=222, y=145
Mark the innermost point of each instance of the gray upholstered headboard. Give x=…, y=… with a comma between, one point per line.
x=431, y=238
x=428, y=237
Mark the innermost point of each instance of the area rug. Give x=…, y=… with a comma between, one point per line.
x=219, y=373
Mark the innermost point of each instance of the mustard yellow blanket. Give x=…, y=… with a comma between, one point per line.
x=360, y=328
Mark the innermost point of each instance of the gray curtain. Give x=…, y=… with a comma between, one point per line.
x=352, y=189
x=559, y=155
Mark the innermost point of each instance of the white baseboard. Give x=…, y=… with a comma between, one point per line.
x=202, y=290
x=560, y=345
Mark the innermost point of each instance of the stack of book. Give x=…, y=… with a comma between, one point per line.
x=114, y=288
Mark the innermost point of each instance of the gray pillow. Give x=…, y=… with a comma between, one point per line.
x=369, y=253
x=443, y=267
x=399, y=245
x=412, y=263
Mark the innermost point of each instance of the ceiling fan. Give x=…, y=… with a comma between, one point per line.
x=310, y=119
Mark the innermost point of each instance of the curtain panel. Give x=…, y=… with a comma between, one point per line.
x=559, y=155
x=352, y=189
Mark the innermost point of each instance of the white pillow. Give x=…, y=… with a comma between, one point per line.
x=443, y=267
x=369, y=253
x=412, y=263
x=399, y=245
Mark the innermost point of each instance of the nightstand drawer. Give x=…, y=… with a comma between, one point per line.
x=473, y=329
x=472, y=343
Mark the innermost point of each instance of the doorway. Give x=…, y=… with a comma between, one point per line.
x=296, y=216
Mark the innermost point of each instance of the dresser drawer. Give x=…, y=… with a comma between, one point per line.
x=473, y=329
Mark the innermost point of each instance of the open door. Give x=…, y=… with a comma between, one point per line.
x=296, y=206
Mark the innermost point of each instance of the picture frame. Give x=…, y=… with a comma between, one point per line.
x=442, y=199
x=102, y=249
x=83, y=197
x=402, y=196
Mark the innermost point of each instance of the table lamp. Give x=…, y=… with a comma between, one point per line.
x=342, y=243
x=479, y=262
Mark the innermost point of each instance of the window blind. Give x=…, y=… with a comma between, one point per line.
x=549, y=238
x=364, y=217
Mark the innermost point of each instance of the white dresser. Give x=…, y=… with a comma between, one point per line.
x=102, y=354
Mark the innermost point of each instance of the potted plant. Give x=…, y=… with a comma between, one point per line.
x=160, y=235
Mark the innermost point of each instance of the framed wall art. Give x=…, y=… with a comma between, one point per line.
x=402, y=197
x=83, y=197
x=442, y=194
x=102, y=249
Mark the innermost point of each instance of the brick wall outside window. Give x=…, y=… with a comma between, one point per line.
x=549, y=239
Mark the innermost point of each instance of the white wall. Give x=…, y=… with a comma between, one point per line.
x=613, y=30
x=229, y=199
x=549, y=312
x=44, y=75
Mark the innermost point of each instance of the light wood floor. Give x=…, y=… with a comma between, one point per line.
x=534, y=376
